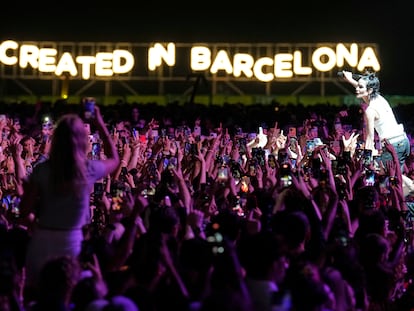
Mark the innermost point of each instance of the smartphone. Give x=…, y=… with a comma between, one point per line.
x=259, y=155
x=242, y=144
x=293, y=163
x=377, y=163
x=47, y=122
x=187, y=148
x=292, y=143
x=285, y=175
x=124, y=171
x=165, y=162
x=367, y=157
x=135, y=133
x=89, y=107
x=245, y=182
x=98, y=190
x=369, y=178
x=194, y=149
x=310, y=146
x=222, y=174
x=96, y=151
x=316, y=168
x=172, y=163
x=271, y=160
x=235, y=169
x=358, y=153
x=252, y=167
x=384, y=185
x=117, y=199
x=346, y=155
x=282, y=156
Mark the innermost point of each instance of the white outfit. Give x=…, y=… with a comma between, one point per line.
x=60, y=219
x=386, y=125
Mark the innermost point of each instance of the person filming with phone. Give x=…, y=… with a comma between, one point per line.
x=57, y=193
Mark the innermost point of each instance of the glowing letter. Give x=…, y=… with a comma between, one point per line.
x=103, y=65
x=320, y=63
x=297, y=64
x=8, y=45
x=200, y=58
x=243, y=63
x=283, y=65
x=129, y=63
x=86, y=62
x=351, y=56
x=29, y=55
x=258, y=71
x=368, y=59
x=158, y=53
x=66, y=64
x=221, y=62
x=47, y=60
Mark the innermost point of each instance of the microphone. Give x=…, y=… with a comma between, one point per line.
x=354, y=75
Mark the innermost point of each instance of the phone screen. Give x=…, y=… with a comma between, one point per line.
x=310, y=146
x=245, y=184
x=285, y=177
x=369, y=178
x=172, y=163
x=96, y=151
x=187, y=148
x=117, y=199
x=367, y=157
x=222, y=175
x=384, y=185
x=271, y=160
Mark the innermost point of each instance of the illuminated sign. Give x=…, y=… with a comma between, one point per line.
x=272, y=64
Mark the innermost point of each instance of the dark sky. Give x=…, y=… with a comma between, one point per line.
x=387, y=23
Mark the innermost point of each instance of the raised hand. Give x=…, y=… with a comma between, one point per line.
x=350, y=143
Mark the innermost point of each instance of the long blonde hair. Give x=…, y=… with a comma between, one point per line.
x=68, y=156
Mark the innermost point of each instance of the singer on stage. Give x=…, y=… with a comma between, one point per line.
x=379, y=117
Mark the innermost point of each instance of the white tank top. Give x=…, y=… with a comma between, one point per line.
x=386, y=125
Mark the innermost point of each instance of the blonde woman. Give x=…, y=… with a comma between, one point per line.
x=57, y=193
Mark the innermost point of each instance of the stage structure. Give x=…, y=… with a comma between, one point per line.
x=159, y=68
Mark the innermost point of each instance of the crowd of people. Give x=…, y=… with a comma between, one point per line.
x=153, y=208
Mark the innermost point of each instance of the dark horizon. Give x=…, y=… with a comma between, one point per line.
x=387, y=25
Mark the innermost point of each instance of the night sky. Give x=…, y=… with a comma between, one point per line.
x=389, y=24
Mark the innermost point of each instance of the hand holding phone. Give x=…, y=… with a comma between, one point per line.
x=223, y=174
x=96, y=151
x=89, y=107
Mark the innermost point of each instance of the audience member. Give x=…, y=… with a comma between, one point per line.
x=189, y=213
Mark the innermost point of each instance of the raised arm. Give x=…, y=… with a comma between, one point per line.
x=111, y=152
